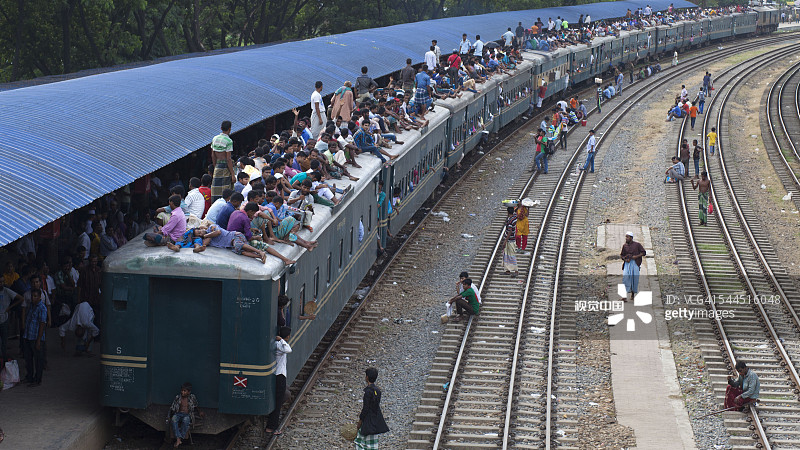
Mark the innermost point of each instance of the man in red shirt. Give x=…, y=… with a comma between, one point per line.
x=455, y=62
x=542, y=93
x=205, y=189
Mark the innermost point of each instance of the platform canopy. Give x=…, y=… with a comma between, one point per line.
x=67, y=143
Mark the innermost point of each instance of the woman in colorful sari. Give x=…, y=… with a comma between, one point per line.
x=510, y=250
x=342, y=102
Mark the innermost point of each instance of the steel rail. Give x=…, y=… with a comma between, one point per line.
x=771, y=126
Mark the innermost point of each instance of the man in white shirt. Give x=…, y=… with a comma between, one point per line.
x=218, y=206
x=648, y=11
x=430, y=58
x=82, y=323
x=464, y=45
x=478, y=46
x=508, y=37
x=85, y=242
x=436, y=49
x=591, y=149
x=550, y=24
x=282, y=349
x=318, y=117
x=195, y=202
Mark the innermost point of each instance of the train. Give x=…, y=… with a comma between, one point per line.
x=210, y=318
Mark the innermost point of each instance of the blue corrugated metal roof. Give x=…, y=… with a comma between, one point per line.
x=65, y=144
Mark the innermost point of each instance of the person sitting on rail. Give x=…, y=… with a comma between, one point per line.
x=466, y=301
x=366, y=143
x=677, y=171
x=181, y=413
x=173, y=230
x=743, y=389
x=464, y=276
x=675, y=112
x=82, y=324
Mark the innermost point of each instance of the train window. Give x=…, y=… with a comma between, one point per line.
x=341, y=252
x=351, y=243
x=316, y=283
x=328, y=267
x=360, y=229
x=302, y=295
x=369, y=228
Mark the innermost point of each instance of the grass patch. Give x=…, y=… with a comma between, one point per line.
x=716, y=248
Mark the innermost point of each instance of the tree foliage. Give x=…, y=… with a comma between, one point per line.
x=49, y=37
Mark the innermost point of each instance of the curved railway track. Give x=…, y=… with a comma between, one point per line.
x=529, y=412
x=783, y=122
x=740, y=277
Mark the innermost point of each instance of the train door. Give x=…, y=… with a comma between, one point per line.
x=185, y=319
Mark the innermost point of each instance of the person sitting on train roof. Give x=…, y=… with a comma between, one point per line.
x=172, y=231
x=163, y=213
x=288, y=224
x=181, y=413
x=337, y=158
x=303, y=200
x=195, y=202
x=82, y=324
x=366, y=143
x=232, y=205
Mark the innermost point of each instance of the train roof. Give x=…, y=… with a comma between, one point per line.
x=95, y=134
x=136, y=258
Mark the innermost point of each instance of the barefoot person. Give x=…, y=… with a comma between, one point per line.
x=704, y=185
x=282, y=348
x=631, y=254
x=466, y=301
x=181, y=413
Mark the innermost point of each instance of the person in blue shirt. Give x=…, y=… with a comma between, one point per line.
x=674, y=112
x=422, y=97
x=234, y=204
x=34, y=339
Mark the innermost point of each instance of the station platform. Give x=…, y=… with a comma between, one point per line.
x=789, y=26
x=647, y=395
x=64, y=412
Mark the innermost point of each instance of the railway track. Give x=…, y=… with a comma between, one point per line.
x=783, y=123
x=489, y=355
x=740, y=275
x=356, y=331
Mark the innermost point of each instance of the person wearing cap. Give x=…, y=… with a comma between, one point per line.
x=631, y=254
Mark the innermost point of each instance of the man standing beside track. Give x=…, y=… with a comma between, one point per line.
x=591, y=149
x=221, y=149
x=743, y=389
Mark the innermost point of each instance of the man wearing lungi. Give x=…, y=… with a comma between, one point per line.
x=221, y=149
x=632, y=254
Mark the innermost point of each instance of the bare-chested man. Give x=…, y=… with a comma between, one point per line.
x=704, y=184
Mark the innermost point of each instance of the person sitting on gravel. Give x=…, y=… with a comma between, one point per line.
x=677, y=171
x=674, y=112
x=743, y=389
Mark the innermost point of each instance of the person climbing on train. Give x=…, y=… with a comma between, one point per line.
x=181, y=414
x=281, y=348
x=742, y=390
